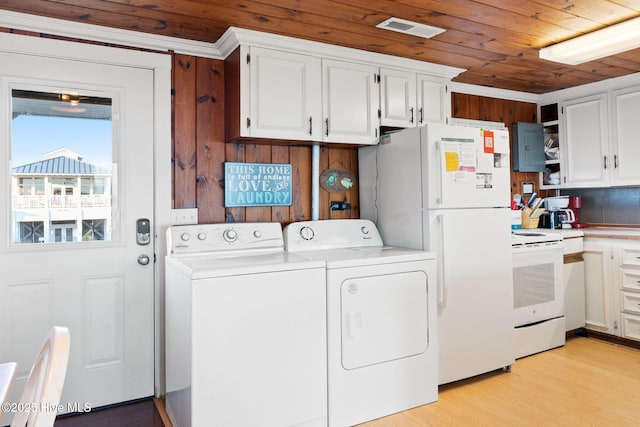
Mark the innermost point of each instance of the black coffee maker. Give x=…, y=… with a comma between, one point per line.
x=553, y=219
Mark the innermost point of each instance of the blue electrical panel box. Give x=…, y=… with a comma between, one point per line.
x=528, y=147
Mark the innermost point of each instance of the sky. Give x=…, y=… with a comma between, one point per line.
x=32, y=136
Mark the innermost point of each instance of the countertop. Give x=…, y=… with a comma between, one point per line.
x=603, y=232
x=566, y=233
x=600, y=232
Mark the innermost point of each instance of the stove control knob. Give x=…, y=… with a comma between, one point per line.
x=202, y=236
x=307, y=233
x=185, y=237
x=230, y=235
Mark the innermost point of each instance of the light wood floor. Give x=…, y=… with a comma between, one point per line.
x=588, y=382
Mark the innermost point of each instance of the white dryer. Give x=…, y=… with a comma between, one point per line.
x=381, y=319
x=245, y=329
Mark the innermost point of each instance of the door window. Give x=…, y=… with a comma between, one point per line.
x=61, y=174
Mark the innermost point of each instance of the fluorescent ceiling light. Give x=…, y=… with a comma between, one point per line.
x=598, y=44
x=409, y=27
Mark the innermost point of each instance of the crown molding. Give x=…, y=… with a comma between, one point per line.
x=591, y=88
x=492, y=92
x=84, y=31
x=234, y=37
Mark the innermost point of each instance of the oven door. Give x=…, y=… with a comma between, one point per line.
x=538, y=292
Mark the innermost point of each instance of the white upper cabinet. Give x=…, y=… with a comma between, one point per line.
x=285, y=95
x=600, y=136
x=290, y=89
x=298, y=97
x=397, y=98
x=434, y=103
x=350, y=102
x=625, y=147
x=410, y=99
x=585, y=142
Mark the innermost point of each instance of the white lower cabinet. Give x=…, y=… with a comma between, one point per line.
x=598, y=286
x=612, y=281
x=631, y=326
x=574, y=295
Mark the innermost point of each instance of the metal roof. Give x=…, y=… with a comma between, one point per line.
x=60, y=166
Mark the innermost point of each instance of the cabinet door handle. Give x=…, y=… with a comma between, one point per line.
x=421, y=111
x=605, y=162
x=615, y=161
x=310, y=125
x=411, y=121
x=326, y=123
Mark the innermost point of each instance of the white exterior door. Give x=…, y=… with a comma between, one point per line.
x=96, y=283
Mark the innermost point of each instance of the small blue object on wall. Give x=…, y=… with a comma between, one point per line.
x=257, y=184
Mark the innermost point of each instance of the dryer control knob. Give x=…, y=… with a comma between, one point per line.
x=364, y=230
x=202, y=236
x=185, y=237
x=257, y=234
x=307, y=233
x=230, y=235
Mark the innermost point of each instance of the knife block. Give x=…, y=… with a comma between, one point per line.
x=530, y=218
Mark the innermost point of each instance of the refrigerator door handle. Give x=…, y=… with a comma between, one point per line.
x=440, y=176
x=442, y=287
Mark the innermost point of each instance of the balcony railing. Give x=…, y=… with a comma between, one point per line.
x=57, y=202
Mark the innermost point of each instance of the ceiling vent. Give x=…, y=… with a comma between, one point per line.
x=409, y=27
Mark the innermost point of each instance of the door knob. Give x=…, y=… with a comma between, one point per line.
x=143, y=259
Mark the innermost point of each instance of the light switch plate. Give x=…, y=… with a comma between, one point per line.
x=527, y=188
x=184, y=216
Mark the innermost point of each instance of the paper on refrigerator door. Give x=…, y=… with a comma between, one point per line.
x=459, y=154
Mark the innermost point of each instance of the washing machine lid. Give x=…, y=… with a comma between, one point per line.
x=360, y=257
x=202, y=267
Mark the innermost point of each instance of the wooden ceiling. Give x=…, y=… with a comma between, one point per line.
x=497, y=41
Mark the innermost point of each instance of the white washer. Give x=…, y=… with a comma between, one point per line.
x=381, y=319
x=245, y=329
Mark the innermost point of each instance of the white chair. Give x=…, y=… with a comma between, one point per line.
x=7, y=375
x=41, y=395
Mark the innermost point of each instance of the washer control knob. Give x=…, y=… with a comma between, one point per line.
x=185, y=237
x=364, y=229
x=230, y=235
x=202, y=236
x=307, y=233
x=257, y=234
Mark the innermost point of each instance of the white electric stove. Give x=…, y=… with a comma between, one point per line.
x=538, y=291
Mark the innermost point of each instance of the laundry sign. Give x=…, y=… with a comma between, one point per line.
x=257, y=184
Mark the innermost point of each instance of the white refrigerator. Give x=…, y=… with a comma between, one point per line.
x=445, y=189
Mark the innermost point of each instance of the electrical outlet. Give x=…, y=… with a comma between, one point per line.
x=184, y=216
x=339, y=206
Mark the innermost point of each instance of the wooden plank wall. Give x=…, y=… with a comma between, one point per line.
x=476, y=107
x=199, y=153
x=199, y=149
